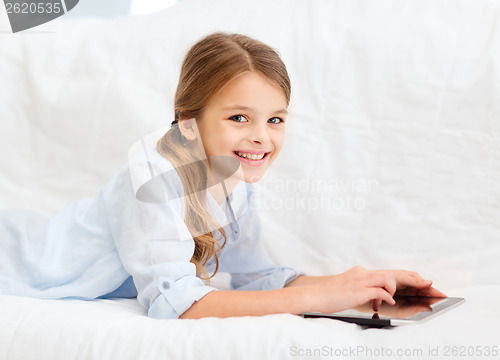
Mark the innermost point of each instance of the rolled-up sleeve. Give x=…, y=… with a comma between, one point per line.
x=155, y=247
x=247, y=260
x=177, y=295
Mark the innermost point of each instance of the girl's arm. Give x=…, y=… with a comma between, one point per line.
x=334, y=293
x=226, y=303
x=323, y=293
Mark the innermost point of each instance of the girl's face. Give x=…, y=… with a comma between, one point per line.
x=245, y=120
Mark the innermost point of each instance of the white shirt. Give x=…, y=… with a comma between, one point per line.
x=131, y=240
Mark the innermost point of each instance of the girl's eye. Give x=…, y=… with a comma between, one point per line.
x=238, y=118
x=276, y=120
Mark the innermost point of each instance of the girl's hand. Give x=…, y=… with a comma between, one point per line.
x=358, y=286
x=352, y=288
x=410, y=283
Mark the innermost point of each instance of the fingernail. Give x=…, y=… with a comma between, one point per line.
x=427, y=282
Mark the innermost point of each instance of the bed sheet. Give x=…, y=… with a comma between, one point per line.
x=36, y=329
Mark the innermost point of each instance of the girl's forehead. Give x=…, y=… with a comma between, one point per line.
x=249, y=90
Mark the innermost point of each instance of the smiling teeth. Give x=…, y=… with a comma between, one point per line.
x=251, y=156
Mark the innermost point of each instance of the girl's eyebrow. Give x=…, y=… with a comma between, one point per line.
x=246, y=108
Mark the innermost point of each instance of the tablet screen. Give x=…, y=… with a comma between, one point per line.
x=407, y=309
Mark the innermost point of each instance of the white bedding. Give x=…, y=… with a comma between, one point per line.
x=120, y=329
x=391, y=160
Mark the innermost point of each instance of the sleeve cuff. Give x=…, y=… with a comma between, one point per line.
x=177, y=296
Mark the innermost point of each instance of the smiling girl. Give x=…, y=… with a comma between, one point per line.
x=182, y=208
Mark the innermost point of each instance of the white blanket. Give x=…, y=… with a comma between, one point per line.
x=120, y=329
x=391, y=160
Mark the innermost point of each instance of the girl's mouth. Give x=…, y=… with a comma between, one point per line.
x=248, y=160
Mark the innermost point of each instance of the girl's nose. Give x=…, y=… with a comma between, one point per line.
x=259, y=133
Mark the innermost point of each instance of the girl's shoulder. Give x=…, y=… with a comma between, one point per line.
x=148, y=175
x=147, y=166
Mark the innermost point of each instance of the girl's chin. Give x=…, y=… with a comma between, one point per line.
x=251, y=181
x=249, y=174
x=249, y=178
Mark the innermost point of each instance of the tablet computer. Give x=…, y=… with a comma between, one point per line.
x=407, y=310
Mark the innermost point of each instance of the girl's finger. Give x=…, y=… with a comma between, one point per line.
x=409, y=279
x=383, y=279
x=377, y=293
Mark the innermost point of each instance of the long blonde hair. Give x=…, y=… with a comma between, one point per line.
x=208, y=66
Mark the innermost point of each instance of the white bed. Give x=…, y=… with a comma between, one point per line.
x=391, y=160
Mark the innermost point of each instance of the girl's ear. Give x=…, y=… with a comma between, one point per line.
x=189, y=129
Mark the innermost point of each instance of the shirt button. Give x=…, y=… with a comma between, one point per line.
x=165, y=285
